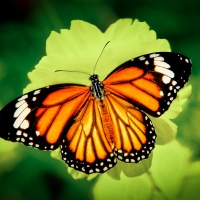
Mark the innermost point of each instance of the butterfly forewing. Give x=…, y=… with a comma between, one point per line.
x=38, y=118
x=156, y=79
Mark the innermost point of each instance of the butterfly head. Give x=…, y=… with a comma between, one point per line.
x=94, y=78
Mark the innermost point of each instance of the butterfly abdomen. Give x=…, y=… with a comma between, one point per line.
x=107, y=122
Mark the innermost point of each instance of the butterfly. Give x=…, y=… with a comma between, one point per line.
x=96, y=125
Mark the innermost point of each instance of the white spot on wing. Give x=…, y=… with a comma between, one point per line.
x=142, y=58
x=164, y=71
x=160, y=58
x=153, y=55
x=97, y=170
x=161, y=64
x=25, y=134
x=22, y=139
x=25, y=124
x=37, y=133
x=20, y=109
x=19, y=132
x=36, y=92
x=21, y=117
x=174, y=82
x=105, y=169
x=166, y=79
x=91, y=171
x=19, y=103
x=161, y=93
x=23, y=97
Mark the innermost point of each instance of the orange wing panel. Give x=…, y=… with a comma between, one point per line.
x=135, y=141
x=55, y=117
x=124, y=75
x=80, y=154
x=39, y=111
x=46, y=119
x=99, y=145
x=68, y=109
x=148, y=87
x=90, y=155
x=75, y=139
x=129, y=91
x=88, y=121
x=63, y=95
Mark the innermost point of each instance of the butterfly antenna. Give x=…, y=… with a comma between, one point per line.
x=100, y=55
x=63, y=70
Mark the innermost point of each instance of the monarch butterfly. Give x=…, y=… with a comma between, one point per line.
x=94, y=126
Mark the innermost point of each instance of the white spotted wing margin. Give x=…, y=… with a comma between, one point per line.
x=18, y=118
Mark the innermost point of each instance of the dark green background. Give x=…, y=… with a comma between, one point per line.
x=24, y=28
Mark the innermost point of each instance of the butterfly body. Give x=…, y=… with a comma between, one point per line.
x=97, y=87
x=94, y=126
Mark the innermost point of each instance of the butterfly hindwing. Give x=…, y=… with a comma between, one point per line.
x=150, y=82
x=134, y=132
x=38, y=118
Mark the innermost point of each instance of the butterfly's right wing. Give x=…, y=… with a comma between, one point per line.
x=150, y=82
x=134, y=134
x=40, y=117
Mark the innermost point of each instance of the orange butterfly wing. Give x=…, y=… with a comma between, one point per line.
x=41, y=116
x=140, y=89
x=150, y=82
x=133, y=131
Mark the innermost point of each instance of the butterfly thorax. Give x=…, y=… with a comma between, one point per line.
x=97, y=88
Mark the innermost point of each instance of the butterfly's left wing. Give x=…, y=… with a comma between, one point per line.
x=40, y=117
x=150, y=82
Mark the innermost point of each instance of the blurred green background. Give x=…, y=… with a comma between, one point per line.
x=27, y=173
